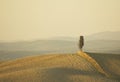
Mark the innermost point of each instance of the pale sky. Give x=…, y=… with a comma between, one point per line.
x=38, y=19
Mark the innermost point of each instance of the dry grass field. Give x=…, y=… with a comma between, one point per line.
x=77, y=67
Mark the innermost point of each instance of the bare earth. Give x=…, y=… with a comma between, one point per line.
x=62, y=68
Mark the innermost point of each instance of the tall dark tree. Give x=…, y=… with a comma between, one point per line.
x=81, y=42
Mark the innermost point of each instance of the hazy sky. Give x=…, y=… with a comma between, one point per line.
x=37, y=19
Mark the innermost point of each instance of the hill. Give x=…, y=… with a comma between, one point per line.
x=104, y=42
x=108, y=35
x=13, y=50
x=60, y=68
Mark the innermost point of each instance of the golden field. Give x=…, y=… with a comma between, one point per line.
x=77, y=67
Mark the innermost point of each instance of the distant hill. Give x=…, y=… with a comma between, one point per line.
x=106, y=42
x=108, y=35
x=39, y=45
x=103, y=46
x=104, y=36
x=14, y=50
x=64, y=38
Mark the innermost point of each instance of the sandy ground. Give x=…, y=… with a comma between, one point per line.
x=61, y=68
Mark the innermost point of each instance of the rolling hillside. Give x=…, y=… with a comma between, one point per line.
x=61, y=68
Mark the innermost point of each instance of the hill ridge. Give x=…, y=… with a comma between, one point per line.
x=93, y=62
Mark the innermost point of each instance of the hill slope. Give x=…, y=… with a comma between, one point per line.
x=58, y=68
